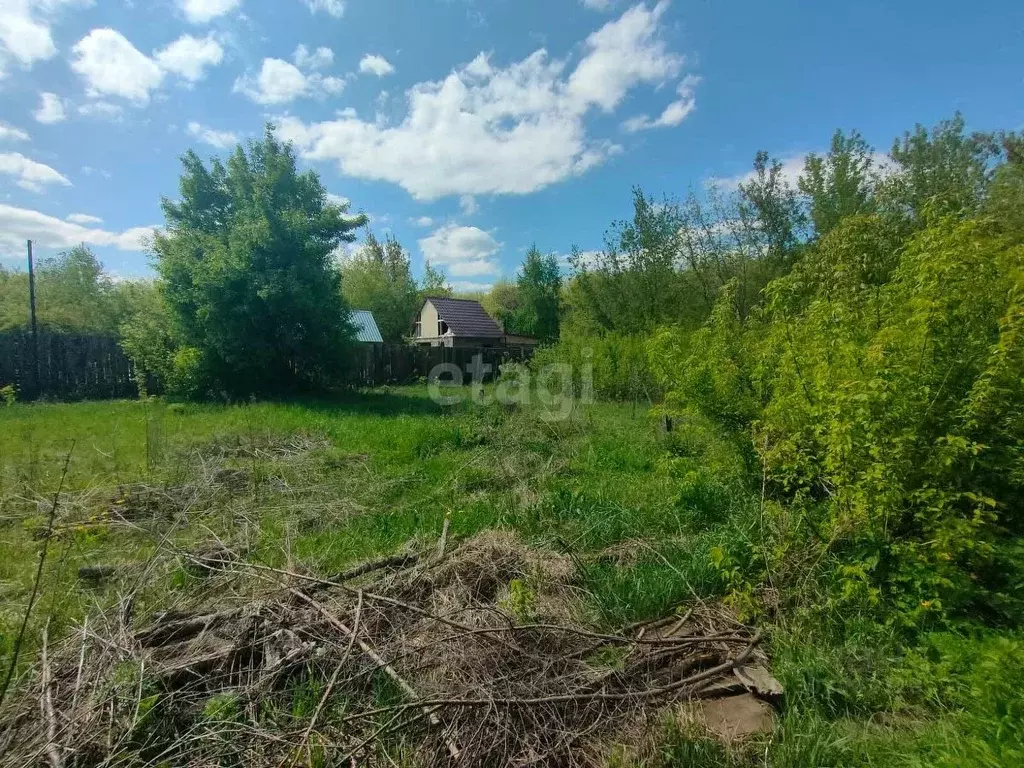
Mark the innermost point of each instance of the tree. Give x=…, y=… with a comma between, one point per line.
x=434, y=282
x=502, y=302
x=841, y=183
x=247, y=275
x=940, y=172
x=633, y=285
x=769, y=200
x=379, y=278
x=539, y=295
x=73, y=294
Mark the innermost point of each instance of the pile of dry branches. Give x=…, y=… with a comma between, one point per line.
x=478, y=656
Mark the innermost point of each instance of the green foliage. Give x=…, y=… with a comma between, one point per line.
x=538, y=297
x=8, y=394
x=247, y=276
x=881, y=383
x=434, y=282
x=73, y=294
x=613, y=366
x=378, y=278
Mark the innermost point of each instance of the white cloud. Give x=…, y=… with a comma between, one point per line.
x=83, y=218
x=468, y=205
x=51, y=109
x=111, y=66
x=10, y=133
x=462, y=251
x=485, y=129
x=103, y=110
x=29, y=174
x=422, y=221
x=598, y=5
x=205, y=11
x=20, y=224
x=372, y=64
x=339, y=200
x=190, y=56
x=25, y=29
x=280, y=82
x=318, y=59
x=674, y=113
x=335, y=8
x=468, y=286
x=218, y=139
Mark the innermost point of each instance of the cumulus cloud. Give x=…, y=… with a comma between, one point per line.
x=10, y=133
x=422, y=221
x=335, y=8
x=674, y=113
x=487, y=129
x=20, y=224
x=462, y=251
x=25, y=35
x=218, y=139
x=111, y=66
x=28, y=174
x=205, y=11
x=51, y=109
x=280, y=82
x=372, y=64
x=338, y=200
x=83, y=218
x=190, y=57
x=792, y=168
x=318, y=59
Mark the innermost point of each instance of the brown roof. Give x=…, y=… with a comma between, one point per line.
x=466, y=317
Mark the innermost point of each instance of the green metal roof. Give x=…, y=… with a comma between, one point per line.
x=366, y=327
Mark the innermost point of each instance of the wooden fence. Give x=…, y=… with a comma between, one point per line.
x=83, y=366
x=378, y=364
x=71, y=366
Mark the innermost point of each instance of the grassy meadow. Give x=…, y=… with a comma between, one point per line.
x=319, y=485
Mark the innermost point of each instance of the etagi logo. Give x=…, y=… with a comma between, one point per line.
x=555, y=388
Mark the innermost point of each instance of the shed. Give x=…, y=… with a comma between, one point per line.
x=366, y=327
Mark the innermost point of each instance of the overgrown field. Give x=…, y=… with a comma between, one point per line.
x=157, y=495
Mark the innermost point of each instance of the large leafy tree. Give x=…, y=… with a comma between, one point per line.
x=248, y=276
x=378, y=277
x=538, y=296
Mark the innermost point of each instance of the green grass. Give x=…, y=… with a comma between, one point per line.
x=326, y=483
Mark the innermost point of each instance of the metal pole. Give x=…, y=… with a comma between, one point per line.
x=32, y=313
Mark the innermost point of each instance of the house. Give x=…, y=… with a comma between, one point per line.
x=366, y=327
x=444, y=322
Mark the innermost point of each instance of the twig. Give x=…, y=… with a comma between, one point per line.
x=390, y=671
x=38, y=577
x=330, y=683
x=647, y=693
x=52, y=750
x=442, y=544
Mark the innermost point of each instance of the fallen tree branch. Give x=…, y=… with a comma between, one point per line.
x=390, y=671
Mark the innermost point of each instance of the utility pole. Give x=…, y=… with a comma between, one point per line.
x=32, y=313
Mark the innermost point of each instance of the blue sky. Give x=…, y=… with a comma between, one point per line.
x=469, y=128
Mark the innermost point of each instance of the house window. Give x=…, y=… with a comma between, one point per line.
x=442, y=327
x=419, y=329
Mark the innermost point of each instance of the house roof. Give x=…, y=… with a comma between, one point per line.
x=466, y=318
x=366, y=327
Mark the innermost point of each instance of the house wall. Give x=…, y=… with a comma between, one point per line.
x=428, y=321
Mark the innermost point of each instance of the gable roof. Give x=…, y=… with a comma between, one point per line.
x=366, y=327
x=466, y=318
